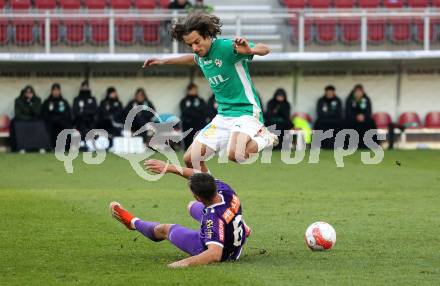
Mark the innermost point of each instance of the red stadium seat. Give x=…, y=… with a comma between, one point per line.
x=393, y=3
x=2, y=4
x=24, y=31
x=99, y=31
x=410, y=120
x=351, y=30
x=295, y=4
x=4, y=35
x=326, y=30
x=382, y=119
x=145, y=4
x=369, y=3
x=418, y=3
x=319, y=3
x=435, y=3
x=120, y=4
x=70, y=4
x=420, y=30
x=150, y=31
x=45, y=4
x=124, y=32
x=400, y=30
x=20, y=4
x=432, y=120
x=4, y=123
x=95, y=4
x=303, y=115
x=376, y=30
x=307, y=30
x=54, y=31
x=164, y=4
x=74, y=32
x=345, y=4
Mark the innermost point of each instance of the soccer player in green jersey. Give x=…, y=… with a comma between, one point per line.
x=238, y=128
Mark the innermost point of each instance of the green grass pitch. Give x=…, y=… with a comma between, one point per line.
x=56, y=228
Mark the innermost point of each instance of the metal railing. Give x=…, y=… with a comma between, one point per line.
x=299, y=31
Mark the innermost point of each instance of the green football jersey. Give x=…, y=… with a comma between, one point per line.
x=228, y=75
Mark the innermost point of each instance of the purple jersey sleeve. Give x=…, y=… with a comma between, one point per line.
x=213, y=230
x=223, y=187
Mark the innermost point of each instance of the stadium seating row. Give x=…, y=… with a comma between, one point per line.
x=77, y=32
x=322, y=4
x=410, y=120
x=77, y=4
x=397, y=30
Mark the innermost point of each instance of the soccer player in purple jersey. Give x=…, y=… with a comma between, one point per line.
x=217, y=207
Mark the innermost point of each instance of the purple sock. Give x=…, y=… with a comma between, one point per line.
x=146, y=228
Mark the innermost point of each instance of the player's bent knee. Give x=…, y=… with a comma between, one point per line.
x=237, y=156
x=231, y=155
x=187, y=159
x=161, y=231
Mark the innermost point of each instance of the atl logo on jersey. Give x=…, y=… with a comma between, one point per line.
x=216, y=80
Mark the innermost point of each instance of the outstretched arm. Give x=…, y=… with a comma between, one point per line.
x=182, y=60
x=211, y=255
x=241, y=46
x=159, y=167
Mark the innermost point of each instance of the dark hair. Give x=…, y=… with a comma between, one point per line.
x=280, y=91
x=56, y=86
x=330, y=87
x=358, y=86
x=141, y=90
x=27, y=88
x=203, y=185
x=110, y=90
x=206, y=25
x=191, y=86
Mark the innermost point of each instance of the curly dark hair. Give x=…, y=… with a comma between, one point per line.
x=206, y=25
x=203, y=185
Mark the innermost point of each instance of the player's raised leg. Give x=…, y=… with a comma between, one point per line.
x=152, y=230
x=196, y=155
x=183, y=238
x=238, y=149
x=242, y=146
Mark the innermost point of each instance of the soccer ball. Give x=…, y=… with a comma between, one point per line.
x=320, y=236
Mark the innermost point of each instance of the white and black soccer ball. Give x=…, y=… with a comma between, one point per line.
x=320, y=236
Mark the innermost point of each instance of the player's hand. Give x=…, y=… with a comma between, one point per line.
x=177, y=264
x=152, y=62
x=156, y=166
x=241, y=46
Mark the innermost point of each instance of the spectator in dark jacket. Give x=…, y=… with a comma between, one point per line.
x=56, y=113
x=212, y=108
x=28, y=132
x=143, y=117
x=329, y=111
x=85, y=110
x=27, y=104
x=193, y=113
x=111, y=112
x=278, y=113
x=358, y=112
